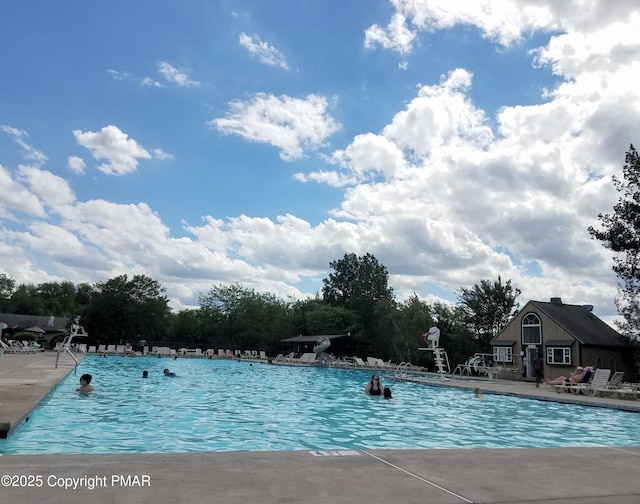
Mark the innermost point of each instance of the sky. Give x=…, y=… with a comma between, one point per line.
x=206, y=143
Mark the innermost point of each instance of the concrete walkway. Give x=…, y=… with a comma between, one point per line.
x=25, y=380
x=501, y=476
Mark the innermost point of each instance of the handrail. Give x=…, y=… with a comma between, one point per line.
x=403, y=371
x=66, y=343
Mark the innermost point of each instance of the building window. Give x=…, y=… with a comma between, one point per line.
x=612, y=365
x=502, y=354
x=531, y=331
x=559, y=355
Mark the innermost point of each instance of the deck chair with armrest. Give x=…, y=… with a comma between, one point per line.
x=609, y=387
x=599, y=380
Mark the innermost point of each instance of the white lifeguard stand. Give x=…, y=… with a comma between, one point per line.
x=432, y=338
x=66, y=343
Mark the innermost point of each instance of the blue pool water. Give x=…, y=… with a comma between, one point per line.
x=229, y=406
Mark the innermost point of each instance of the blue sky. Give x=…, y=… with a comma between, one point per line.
x=254, y=142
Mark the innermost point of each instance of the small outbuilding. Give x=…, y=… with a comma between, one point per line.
x=565, y=335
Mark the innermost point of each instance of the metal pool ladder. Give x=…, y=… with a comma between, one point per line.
x=65, y=347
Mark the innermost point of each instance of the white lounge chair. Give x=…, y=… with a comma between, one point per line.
x=359, y=362
x=263, y=355
x=310, y=358
x=609, y=387
x=599, y=380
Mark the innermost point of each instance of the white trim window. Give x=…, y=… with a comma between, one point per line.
x=559, y=355
x=503, y=354
x=531, y=330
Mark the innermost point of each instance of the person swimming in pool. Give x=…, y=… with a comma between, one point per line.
x=374, y=387
x=169, y=373
x=145, y=374
x=387, y=393
x=85, y=386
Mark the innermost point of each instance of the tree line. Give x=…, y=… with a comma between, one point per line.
x=355, y=298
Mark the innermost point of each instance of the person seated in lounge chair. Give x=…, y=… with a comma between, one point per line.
x=574, y=379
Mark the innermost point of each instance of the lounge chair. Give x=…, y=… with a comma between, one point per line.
x=599, y=380
x=384, y=365
x=263, y=355
x=609, y=387
x=9, y=348
x=359, y=362
x=310, y=358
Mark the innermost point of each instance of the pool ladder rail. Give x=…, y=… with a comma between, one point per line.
x=66, y=347
x=405, y=372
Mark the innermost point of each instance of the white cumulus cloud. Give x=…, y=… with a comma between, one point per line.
x=291, y=124
x=111, y=144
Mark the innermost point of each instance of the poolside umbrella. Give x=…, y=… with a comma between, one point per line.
x=35, y=329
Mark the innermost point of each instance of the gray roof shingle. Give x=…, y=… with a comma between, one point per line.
x=581, y=323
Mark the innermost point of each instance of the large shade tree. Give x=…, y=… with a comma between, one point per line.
x=488, y=307
x=620, y=233
x=124, y=308
x=361, y=284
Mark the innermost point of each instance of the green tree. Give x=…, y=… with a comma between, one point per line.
x=412, y=318
x=58, y=298
x=128, y=309
x=620, y=233
x=360, y=284
x=488, y=308
x=7, y=286
x=246, y=319
x=26, y=300
x=457, y=337
x=313, y=316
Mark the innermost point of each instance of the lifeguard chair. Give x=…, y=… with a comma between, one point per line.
x=432, y=339
x=66, y=343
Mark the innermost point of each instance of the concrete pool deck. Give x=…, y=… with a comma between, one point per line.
x=545, y=475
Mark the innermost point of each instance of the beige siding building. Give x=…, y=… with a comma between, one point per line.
x=565, y=335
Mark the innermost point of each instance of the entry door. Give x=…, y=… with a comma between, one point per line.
x=532, y=353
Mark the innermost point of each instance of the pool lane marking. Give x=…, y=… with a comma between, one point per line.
x=419, y=478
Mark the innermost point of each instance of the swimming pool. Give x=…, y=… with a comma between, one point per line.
x=225, y=406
